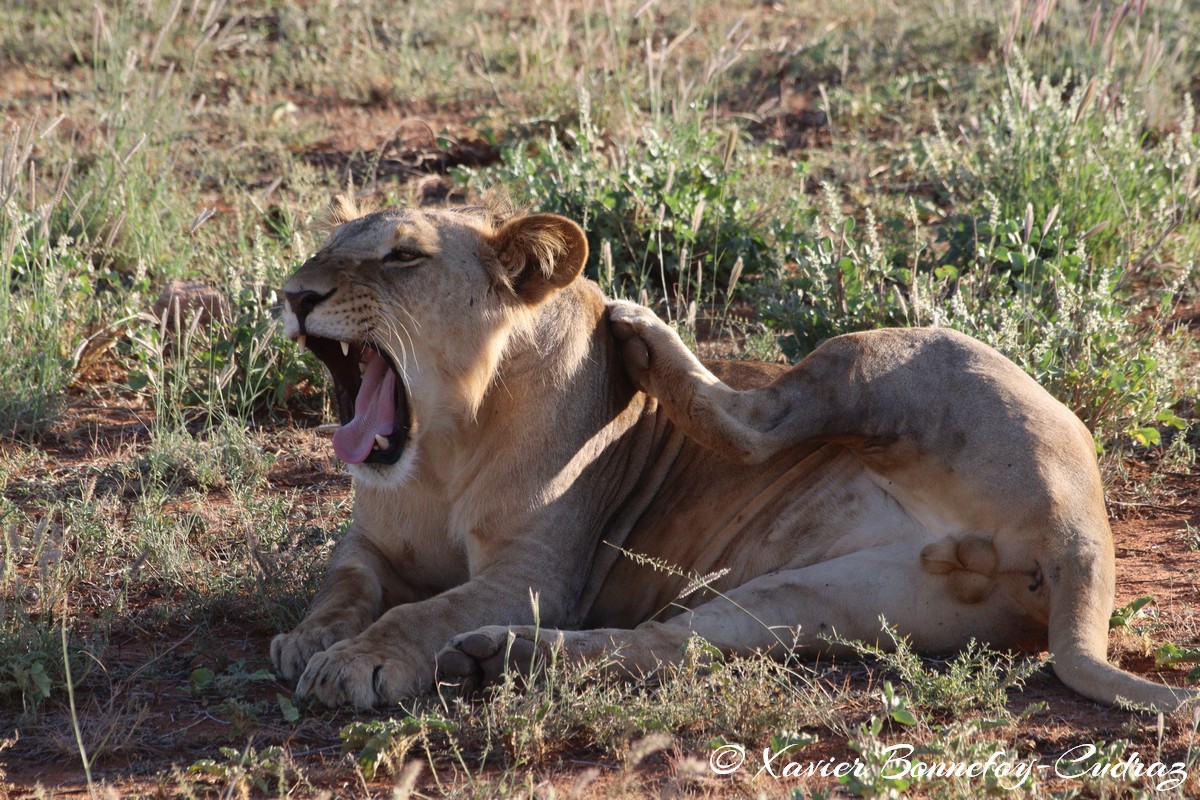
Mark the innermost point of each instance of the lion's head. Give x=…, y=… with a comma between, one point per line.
x=413, y=310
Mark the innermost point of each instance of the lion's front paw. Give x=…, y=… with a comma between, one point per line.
x=291, y=652
x=476, y=659
x=631, y=324
x=364, y=675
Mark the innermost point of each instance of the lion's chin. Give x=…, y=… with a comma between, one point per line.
x=383, y=477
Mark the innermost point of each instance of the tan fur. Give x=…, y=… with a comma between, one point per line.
x=341, y=209
x=913, y=475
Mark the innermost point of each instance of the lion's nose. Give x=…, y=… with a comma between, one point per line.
x=304, y=301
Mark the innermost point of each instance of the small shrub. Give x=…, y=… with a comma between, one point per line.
x=40, y=288
x=976, y=678
x=1025, y=286
x=940, y=766
x=1080, y=146
x=665, y=213
x=224, y=457
x=228, y=368
x=267, y=771
x=383, y=744
x=835, y=283
x=34, y=581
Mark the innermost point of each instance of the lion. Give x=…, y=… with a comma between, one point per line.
x=521, y=446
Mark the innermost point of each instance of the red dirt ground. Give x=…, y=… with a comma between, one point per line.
x=1156, y=556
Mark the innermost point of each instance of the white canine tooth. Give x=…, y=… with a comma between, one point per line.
x=301, y=341
x=381, y=442
x=345, y=348
x=362, y=368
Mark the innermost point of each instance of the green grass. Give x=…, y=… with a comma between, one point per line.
x=976, y=678
x=765, y=176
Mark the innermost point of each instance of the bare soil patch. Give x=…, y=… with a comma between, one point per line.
x=385, y=141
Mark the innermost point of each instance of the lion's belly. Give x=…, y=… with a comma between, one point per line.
x=803, y=507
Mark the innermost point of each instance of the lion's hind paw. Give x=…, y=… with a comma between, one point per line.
x=480, y=658
x=632, y=325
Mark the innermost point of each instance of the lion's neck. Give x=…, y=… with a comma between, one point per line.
x=558, y=340
x=546, y=393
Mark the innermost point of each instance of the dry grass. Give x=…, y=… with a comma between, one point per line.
x=165, y=509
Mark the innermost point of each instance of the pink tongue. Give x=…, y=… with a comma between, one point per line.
x=374, y=413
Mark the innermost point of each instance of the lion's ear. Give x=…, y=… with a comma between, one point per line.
x=342, y=209
x=538, y=254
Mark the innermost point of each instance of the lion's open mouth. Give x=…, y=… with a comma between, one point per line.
x=372, y=402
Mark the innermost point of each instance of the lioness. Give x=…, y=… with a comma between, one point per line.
x=512, y=437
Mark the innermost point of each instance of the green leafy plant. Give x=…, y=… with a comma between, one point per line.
x=230, y=680
x=1024, y=286
x=267, y=770
x=384, y=743
x=896, y=706
x=1077, y=146
x=1125, y=614
x=976, y=678
x=665, y=213
x=1170, y=655
x=287, y=708
x=34, y=582
x=225, y=368
x=878, y=776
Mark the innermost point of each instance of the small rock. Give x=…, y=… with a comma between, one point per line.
x=181, y=301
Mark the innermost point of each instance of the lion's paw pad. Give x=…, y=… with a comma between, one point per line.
x=630, y=325
x=475, y=660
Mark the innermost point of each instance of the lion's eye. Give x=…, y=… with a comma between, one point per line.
x=403, y=255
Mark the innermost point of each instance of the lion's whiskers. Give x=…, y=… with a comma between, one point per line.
x=394, y=327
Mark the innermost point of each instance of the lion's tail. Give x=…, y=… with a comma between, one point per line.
x=1080, y=606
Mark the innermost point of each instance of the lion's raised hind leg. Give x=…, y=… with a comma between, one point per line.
x=736, y=424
